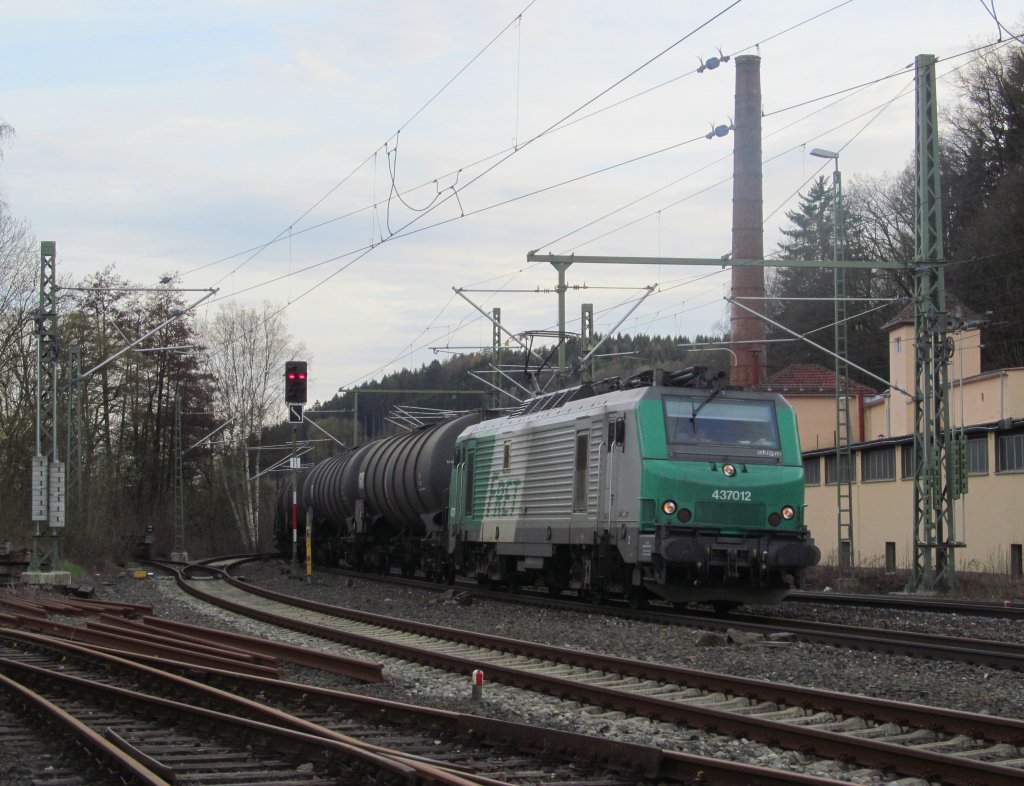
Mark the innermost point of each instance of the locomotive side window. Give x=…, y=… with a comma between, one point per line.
x=579, y=478
x=617, y=434
x=506, y=461
x=702, y=421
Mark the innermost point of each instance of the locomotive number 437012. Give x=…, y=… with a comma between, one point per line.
x=731, y=494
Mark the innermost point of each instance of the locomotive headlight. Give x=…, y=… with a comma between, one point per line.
x=788, y=512
x=728, y=470
x=668, y=507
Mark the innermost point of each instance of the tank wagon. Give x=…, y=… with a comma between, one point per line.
x=660, y=486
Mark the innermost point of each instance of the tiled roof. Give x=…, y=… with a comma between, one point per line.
x=809, y=378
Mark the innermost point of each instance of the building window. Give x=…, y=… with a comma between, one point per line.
x=977, y=455
x=849, y=469
x=1010, y=453
x=812, y=471
x=878, y=464
x=907, y=461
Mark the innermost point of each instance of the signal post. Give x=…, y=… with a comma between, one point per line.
x=295, y=397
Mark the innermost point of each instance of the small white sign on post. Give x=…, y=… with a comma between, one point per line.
x=39, y=487
x=57, y=494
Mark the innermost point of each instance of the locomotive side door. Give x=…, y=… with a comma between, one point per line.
x=612, y=456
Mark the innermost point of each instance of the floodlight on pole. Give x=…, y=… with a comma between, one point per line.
x=818, y=152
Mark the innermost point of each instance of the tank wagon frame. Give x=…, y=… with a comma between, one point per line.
x=661, y=486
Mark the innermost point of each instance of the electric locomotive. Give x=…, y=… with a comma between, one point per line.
x=663, y=486
x=653, y=489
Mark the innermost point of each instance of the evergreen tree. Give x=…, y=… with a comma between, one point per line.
x=802, y=298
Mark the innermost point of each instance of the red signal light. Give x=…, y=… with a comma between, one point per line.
x=295, y=382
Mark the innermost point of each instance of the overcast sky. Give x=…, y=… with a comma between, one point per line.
x=395, y=150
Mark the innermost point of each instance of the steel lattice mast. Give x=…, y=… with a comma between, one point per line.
x=937, y=476
x=47, y=470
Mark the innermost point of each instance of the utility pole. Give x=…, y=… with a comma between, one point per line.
x=48, y=481
x=587, y=341
x=179, y=554
x=73, y=441
x=844, y=439
x=938, y=478
x=496, y=352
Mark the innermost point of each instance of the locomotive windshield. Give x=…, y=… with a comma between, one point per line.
x=718, y=422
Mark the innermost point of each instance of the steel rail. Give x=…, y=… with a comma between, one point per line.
x=126, y=762
x=907, y=760
x=643, y=760
x=1005, y=609
x=998, y=654
x=275, y=725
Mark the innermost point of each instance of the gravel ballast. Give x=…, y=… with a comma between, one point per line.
x=938, y=683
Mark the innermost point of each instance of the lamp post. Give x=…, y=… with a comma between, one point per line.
x=844, y=456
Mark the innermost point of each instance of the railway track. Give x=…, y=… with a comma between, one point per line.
x=153, y=725
x=905, y=739
x=997, y=654
x=993, y=609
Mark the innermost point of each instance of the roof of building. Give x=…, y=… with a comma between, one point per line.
x=809, y=378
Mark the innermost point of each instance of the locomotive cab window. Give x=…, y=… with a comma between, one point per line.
x=711, y=423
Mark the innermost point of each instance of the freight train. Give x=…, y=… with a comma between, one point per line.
x=665, y=485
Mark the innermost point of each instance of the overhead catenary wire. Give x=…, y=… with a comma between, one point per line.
x=416, y=230
x=361, y=254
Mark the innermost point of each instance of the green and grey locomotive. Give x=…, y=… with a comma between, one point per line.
x=658, y=487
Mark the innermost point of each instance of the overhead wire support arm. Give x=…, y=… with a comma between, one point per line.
x=856, y=264
x=316, y=425
x=828, y=352
x=503, y=329
x=201, y=440
x=478, y=378
x=175, y=315
x=583, y=360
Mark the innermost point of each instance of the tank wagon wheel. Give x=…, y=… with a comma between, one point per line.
x=594, y=595
x=636, y=598
x=724, y=606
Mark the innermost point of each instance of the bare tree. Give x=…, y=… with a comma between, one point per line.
x=248, y=348
x=17, y=348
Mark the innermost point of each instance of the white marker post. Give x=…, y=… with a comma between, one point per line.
x=478, y=684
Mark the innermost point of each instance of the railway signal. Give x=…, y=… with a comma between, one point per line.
x=295, y=382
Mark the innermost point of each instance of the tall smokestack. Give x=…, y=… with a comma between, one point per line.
x=747, y=225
